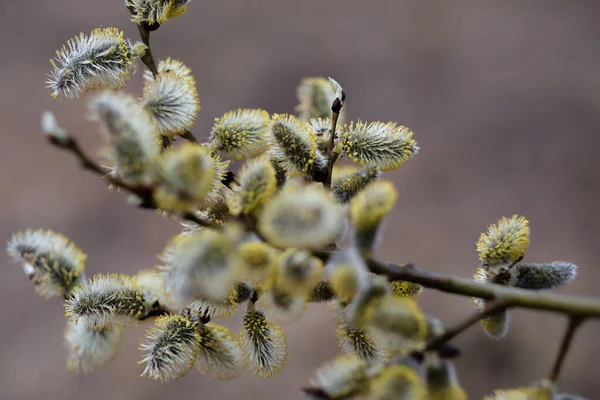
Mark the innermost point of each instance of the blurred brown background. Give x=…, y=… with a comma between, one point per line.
x=504, y=99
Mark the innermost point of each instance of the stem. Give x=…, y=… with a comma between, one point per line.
x=489, y=309
x=331, y=156
x=574, y=323
x=147, y=58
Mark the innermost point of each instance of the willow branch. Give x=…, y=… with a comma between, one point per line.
x=536, y=300
x=574, y=323
x=331, y=155
x=490, y=309
x=145, y=193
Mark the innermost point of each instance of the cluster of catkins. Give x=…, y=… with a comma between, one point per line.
x=265, y=236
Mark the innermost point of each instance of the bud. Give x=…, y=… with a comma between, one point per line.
x=384, y=145
x=264, y=346
x=340, y=378
x=89, y=350
x=345, y=282
x=257, y=261
x=170, y=65
x=368, y=209
x=441, y=380
x=219, y=352
x=281, y=305
x=241, y=134
x=51, y=128
x=504, y=243
x=315, y=97
x=358, y=342
x=201, y=265
x=206, y=308
x=397, y=382
x=405, y=289
x=106, y=300
x=528, y=393
x=170, y=347
x=53, y=264
x=132, y=136
x=301, y=217
x=257, y=184
x=173, y=103
x=398, y=319
x=100, y=60
x=294, y=144
x=151, y=282
x=156, y=11
x=184, y=177
x=298, y=271
x=496, y=325
x=348, y=186
x=322, y=129
x=542, y=276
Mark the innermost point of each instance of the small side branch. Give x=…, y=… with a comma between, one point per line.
x=490, y=309
x=574, y=323
x=144, y=192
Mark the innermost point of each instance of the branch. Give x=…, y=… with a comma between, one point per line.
x=574, y=323
x=144, y=192
x=331, y=156
x=571, y=305
x=490, y=309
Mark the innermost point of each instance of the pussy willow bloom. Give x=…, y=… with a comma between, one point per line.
x=322, y=129
x=173, y=103
x=294, y=144
x=497, y=324
x=152, y=281
x=157, y=11
x=397, y=382
x=241, y=134
x=184, y=176
x=384, y=145
x=348, y=186
x=341, y=378
x=357, y=342
x=441, y=380
x=368, y=208
x=345, y=282
x=52, y=263
x=298, y=271
x=400, y=320
x=505, y=242
x=264, y=345
x=257, y=260
x=219, y=352
x=315, y=97
x=132, y=136
x=281, y=305
x=170, y=348
x=213, y=212
x=238, y=293
x=301, y=217
x=200, y=265
x=526, y=393
x=105, y=300
x=539, y=276
x=100, y=60
x=257, y=184
x=89, y=350
x=170, y=65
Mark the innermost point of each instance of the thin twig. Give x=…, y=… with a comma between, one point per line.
x=147, y=58
x=331, y=155
x=144, y=192
x=490, y=309
x=574, y=323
